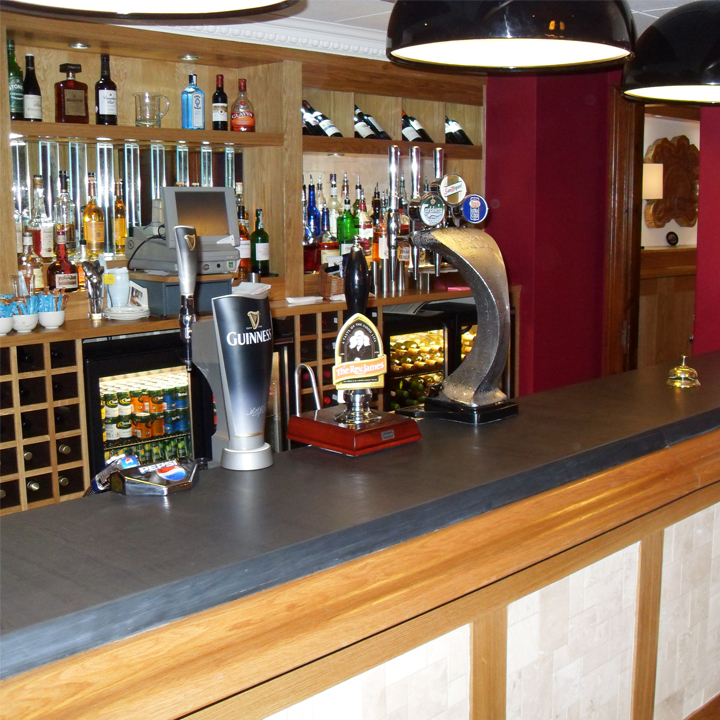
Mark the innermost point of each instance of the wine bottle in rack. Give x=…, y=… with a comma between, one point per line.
x=415, y=124
x=374, y=124
x=409, y=133
x=326, y=125
x=105, y=95
x=362, y=128
x=32, y=99
x=454, y=134
x=311, y=126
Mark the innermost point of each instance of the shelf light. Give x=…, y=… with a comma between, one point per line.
x=188, y=57
x=79, y=46
x=146, y=11
x=515, y=35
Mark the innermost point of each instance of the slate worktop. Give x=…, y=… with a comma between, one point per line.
x=84, y=573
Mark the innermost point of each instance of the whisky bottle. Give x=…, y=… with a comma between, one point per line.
x=64, y=216
x=32, y=98
x=63, y=273
x=15, y=82
x=30, y=266
x=105, y=95
x=120, y=219
x=260, y=243
x=40, y=224
x=219, y=105
x=93, y=222
x=242, y=118
x=193, y=105
x=71, y=102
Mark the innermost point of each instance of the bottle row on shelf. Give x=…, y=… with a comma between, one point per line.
x=408, y=392
x=71, y=99
x=368, y=128
x=417, y=353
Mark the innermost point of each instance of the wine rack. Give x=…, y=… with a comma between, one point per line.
x=315, y=336
x=42, y=425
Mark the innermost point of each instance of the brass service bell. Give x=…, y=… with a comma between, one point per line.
x=683, y=376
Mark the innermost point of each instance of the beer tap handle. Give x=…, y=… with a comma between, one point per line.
x=439, y=162
x=357, y=281
x=186, y=244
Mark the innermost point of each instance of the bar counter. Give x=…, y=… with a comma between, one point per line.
x=288, y=564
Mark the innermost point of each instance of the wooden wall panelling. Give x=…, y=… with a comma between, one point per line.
x=472, y=171
x=488, y=663
x=622, y=249
x=385, y=109
x=8, y=262
x=647, y=625
x=471, y=118
x=271, y=176
x=430, y=114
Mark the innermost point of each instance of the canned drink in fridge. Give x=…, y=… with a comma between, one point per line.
x=180, y=421
x=111, y=429
x=169, y=423
x=182, y=446
x=180, y=397
x=157, y=452
x=136, y=399
x=168, y=403
x=171, y=449
x=157, y=404
x=125, y=406
x=125, y=427
x=142, y=425
x=157, y=420
x=110, y=401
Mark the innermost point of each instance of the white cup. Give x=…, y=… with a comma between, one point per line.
x=119, y=288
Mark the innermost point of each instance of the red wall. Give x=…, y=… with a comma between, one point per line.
x=546, y=184
x=707, y=289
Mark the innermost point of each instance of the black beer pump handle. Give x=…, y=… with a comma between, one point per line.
x=357, y=282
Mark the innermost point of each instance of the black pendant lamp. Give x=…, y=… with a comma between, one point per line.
x=509, y=35
x=677, y=59
x=129, y=12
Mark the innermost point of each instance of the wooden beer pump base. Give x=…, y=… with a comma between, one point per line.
x=321, y=429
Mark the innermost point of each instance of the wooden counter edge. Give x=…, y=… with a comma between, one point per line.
x=209, y=656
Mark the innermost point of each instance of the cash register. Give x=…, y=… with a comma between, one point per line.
x=211, y=211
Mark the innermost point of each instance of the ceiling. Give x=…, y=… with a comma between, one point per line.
x=349, y=27
x=374, y=14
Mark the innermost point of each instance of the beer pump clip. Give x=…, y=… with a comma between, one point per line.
x=360, y=364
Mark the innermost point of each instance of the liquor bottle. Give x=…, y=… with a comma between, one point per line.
x=63, y=273
x=380, y=240
x=15, y=81
x=310, y=124
x=64, y=216
x=260, y=243
x=93, y=222
x=362, y=128
x=345, y=229
x=120, y=219
x=403, y=194
x=345, y=189
x=40, y=225
x=454, y=134
x=365, y=227
x=245, y=264
x=325, y=123
x=375, y=125
x=71, y=101
x=30, y=265
x=32, y=99
x=310, y=236
x=334, y=206
x=320, y=196
x=313, y=214
x=358, y=192
x=105, y=95
x=327, y=244
x=376, y=205
x=193, y=105
x=243, y=116
x=415, y=125
x=219, y=105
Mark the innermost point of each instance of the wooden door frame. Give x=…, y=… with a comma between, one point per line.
x=622, y=249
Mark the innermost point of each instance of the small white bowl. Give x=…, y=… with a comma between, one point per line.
x=25, y=323
x=6, y=325
x=52, y=320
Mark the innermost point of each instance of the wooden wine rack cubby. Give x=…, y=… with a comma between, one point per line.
x=43, y=443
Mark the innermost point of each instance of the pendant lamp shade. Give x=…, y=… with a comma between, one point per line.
x=678, y=57
x=130, y=12
x=509, y=35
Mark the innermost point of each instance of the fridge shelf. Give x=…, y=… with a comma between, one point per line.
x=147, y=441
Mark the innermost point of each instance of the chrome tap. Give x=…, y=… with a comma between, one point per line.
x=393, y=219
x=186, y=244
